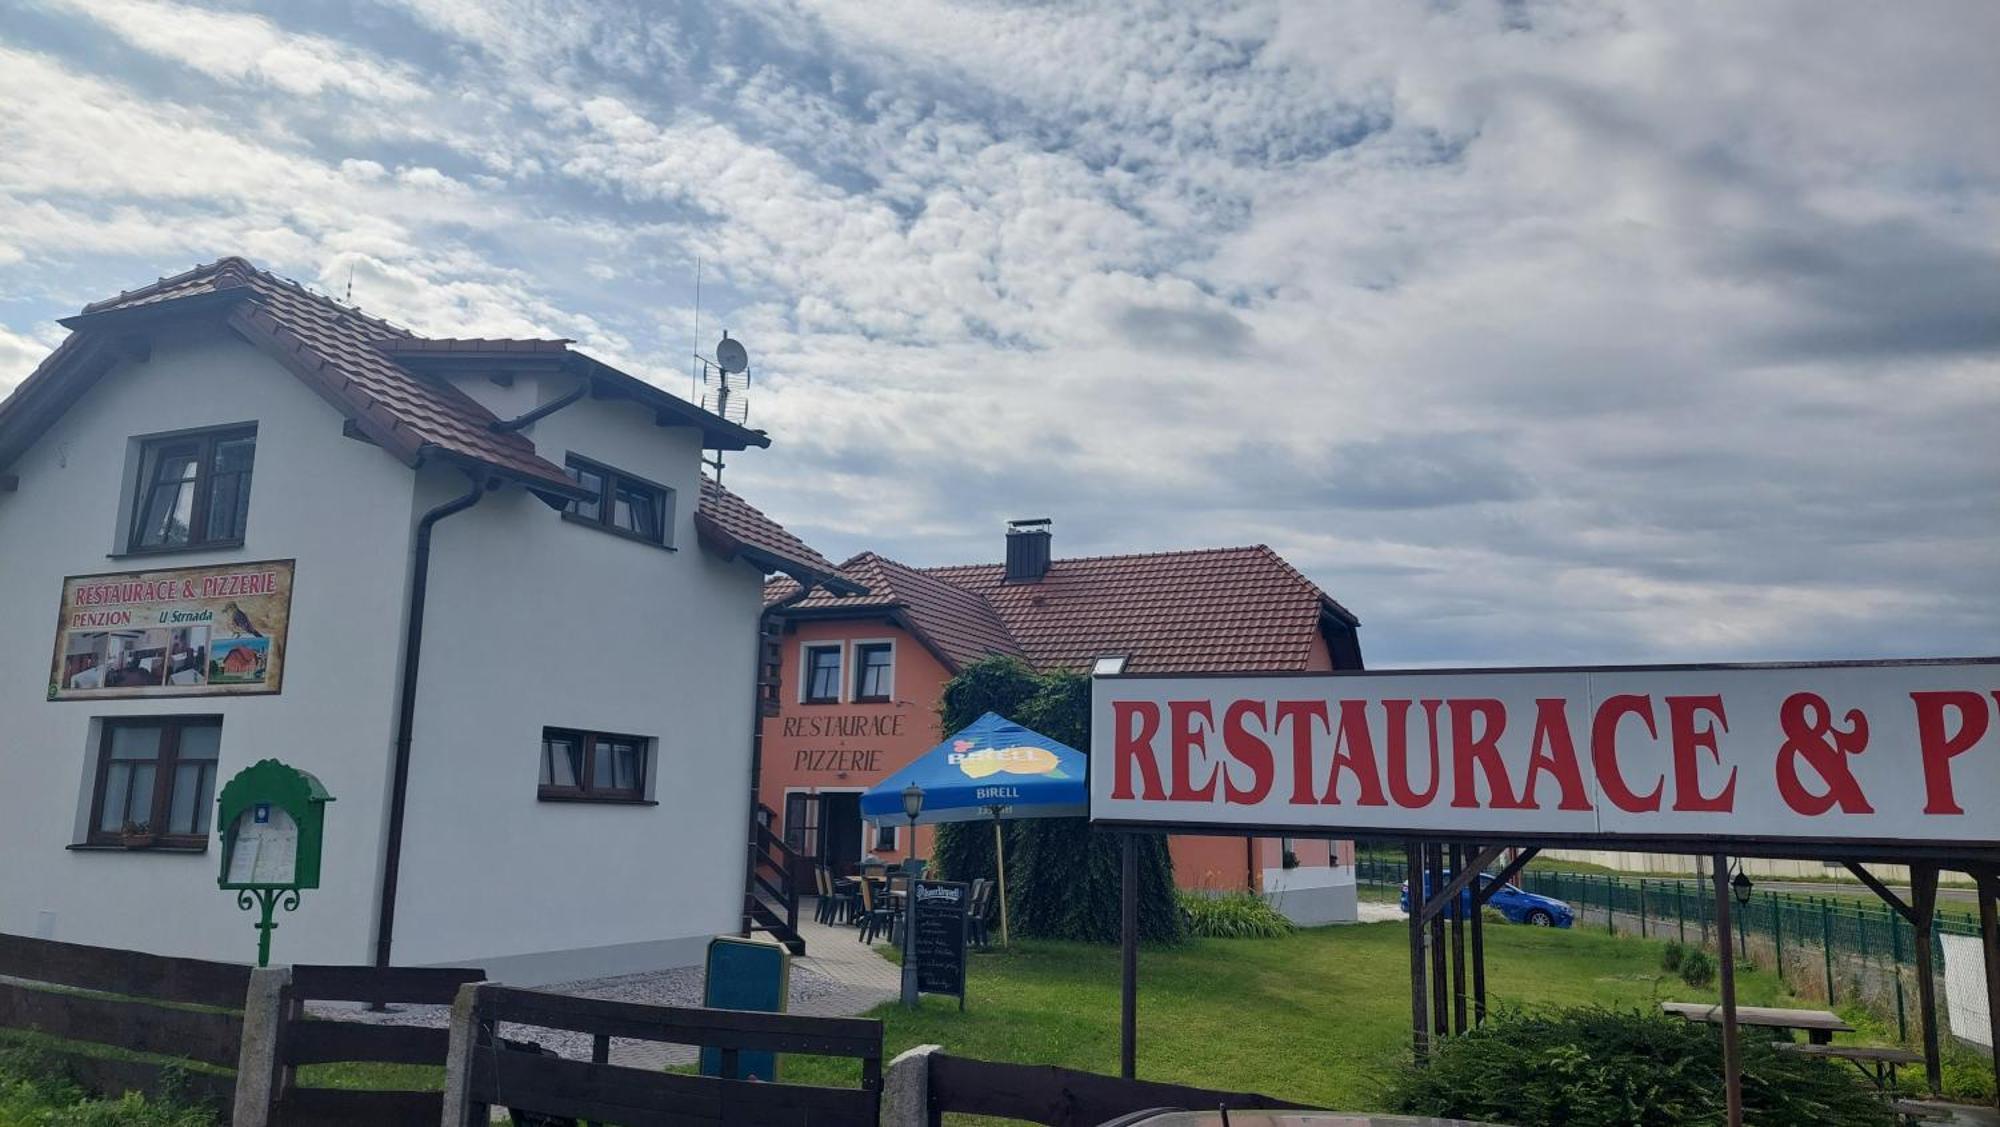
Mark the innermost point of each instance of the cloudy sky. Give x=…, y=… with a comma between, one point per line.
x=1532, y=331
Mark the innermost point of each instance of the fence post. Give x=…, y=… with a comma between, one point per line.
x=1610, y=906
x=906, y=1088
x=257, y=1063
x=1778, y=934
x=1826, y=945
x=1896, y=968
x=1642, y=907
x=1680, y=917
x=459, y=1109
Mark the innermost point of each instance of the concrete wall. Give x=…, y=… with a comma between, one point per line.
x=342, y=509
x=535, y=621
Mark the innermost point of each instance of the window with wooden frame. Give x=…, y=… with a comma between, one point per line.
x=579, y=766
x=620, y=503
x=874, y=671
x=193, y=490
x=822, y=680
x=155, y=785
x=885, y=837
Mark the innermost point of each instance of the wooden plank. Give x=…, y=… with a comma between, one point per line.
x=124, y=972
x=1064, y=1097
x=323, y=1042
x=635, y=1097
x=114, y=1076
x=432, y=986
x=739, y=1029
x=130, y=1024
x=340, y=1107
x=1766, y=1016
x=1886, y=1054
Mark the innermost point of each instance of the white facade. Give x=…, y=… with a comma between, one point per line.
x=532, y=621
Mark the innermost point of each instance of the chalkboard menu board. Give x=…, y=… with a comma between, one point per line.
x=940, y=936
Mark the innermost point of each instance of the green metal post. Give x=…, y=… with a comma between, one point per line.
x=1610, y=906
x=1680, y=917
x=1826, y=945
x=1896, y=968
x=1778, y=934
x=1642, y=907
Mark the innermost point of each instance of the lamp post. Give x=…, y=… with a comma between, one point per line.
x=913, y=805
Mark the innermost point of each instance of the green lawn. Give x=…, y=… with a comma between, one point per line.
x=1320, y=1017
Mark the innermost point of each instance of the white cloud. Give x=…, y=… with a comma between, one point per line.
x=1535, y=331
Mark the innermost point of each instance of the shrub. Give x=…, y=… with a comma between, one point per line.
x=1697, y=969
x=34, y=1090
x=1670, y=958
x=1591, y=1067
x=1231, y=915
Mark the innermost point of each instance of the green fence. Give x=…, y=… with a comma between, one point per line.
x=1839, y=947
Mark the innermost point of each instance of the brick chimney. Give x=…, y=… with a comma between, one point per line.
x=1028, y=550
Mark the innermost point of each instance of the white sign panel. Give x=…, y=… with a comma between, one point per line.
x=1965, y=989
x=1894, y=752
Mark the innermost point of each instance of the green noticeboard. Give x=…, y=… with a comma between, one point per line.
x=272, y=820
x=745, y=974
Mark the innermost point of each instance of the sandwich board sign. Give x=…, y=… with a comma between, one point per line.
x=272, y=821
x=745, y=974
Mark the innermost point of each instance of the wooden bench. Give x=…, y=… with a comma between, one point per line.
x=1884, y=1059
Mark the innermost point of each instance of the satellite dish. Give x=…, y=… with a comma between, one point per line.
x=731, y=356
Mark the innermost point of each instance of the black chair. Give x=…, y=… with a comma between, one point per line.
x=875, y=917
x=975, y=911
x=846, y=898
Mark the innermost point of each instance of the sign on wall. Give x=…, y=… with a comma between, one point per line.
x=1887, y=752
x=197, y=631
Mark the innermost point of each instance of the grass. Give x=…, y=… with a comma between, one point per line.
x=1320, y=1017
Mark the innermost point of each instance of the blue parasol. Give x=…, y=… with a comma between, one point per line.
x=993, y=768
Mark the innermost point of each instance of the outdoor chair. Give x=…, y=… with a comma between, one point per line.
x=827, y=910
x=975, y=911
x=846, y=897
x=875, y=918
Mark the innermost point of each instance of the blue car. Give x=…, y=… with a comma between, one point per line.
x=1510, y=901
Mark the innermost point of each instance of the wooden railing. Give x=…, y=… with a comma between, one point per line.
x=1065, y=1097
x=174, y=1011
x=485, y=1071
x=307, y=1041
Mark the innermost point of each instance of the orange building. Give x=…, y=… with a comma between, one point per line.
x=863, y=676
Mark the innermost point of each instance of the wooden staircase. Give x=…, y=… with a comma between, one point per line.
x=771, y=902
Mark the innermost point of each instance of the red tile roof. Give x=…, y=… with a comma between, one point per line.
x=1240, y=610
x=351, y=360
x=733, y=526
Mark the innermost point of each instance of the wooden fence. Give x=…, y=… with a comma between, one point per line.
x=307, y=1041
x=167, y=1011
x=1065, y=1097
x=484, y=1071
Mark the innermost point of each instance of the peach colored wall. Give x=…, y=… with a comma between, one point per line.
x=1321, y=658
x=851, y=745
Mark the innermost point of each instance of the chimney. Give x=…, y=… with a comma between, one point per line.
x=1028, y=550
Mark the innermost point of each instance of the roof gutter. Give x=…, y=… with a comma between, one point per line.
x=406, y=711
x=509, y=426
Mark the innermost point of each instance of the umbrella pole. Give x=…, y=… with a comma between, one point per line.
x=1000, y=867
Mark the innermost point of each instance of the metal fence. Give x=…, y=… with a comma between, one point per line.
x=1838, y=948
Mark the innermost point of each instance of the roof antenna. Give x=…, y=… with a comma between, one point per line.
x=728, y=377
x=694, y=370
x=349, y=299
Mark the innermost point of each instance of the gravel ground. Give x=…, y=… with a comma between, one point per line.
x=679, y=987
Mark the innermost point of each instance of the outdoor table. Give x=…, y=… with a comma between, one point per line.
x=1885, y=1059
x=1820, y=1025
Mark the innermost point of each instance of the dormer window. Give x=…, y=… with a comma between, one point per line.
x=621, y=503
x=193, y=490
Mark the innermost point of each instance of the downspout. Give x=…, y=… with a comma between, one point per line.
x=757, y=734
x=406, y=710
x=508, y=426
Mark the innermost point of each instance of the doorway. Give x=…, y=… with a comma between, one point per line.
x=823, y=829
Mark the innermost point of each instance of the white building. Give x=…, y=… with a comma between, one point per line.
x=579, y=729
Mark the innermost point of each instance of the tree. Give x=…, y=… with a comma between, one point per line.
x=1063, y=878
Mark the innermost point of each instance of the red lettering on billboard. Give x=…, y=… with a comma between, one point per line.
x=1188, y=738
x=1135, y=748
x=1251, y=751
x=1604, y=752
x=1553, y=751
x=1300, y=714
x=1354, y=752
x=1682, y=715
x=1481, y=749
x=1940, y=746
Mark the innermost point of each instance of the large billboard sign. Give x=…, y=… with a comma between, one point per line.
x=199, y=631
x=1836, y=753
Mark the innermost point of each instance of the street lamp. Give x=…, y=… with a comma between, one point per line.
x=913, y=805
x=1739, y=887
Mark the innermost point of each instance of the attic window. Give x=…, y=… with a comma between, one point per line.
x=193, y=490
x=621, y=503
x=1108, y=666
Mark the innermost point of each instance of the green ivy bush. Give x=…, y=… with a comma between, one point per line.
x=1231, y=915
x=1594, y=1067
x=1671, y=956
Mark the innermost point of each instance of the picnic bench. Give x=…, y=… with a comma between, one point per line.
x=1877, y=1062
x=1819, y=1025
x=1938, y=1111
